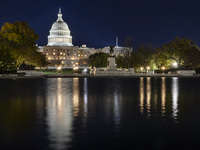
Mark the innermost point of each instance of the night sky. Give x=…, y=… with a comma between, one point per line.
x=96, y=23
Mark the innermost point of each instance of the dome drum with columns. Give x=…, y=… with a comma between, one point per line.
x=59, y=33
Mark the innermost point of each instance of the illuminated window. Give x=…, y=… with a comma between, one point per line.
x=63, y=53
x=60, y=53
x=47, y=54
x=54, y=53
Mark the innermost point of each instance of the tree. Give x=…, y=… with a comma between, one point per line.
x=7, y=62
x=192, y=59
x=119, y=61
x=127, y=50
x=176, y=50
x=19, y=41
x=98, y=60
x=159, y=60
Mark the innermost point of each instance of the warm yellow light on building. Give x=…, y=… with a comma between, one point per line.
x=141, y=68
x=59, y=68
x=148, y=68
x=163, y=68
x=75, y=68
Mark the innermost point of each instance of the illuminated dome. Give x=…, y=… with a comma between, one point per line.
x=59, y=33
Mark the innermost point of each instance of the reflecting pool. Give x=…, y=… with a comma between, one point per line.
x=100, y=113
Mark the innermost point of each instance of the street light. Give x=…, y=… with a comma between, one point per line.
x=141, y=68
x=163, y=68
x=175, y=64
x=59, y=69
x=148, y=68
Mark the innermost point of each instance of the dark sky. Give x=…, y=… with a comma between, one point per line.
x=96, y=23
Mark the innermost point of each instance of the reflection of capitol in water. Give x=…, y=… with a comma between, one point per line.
x=63, y=104
x=74, y=101
x=148, y=103
x=59, y=112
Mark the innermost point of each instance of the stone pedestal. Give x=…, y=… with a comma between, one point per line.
x=111, y=64
x=186, y=72
x=111, y=70
x=131, y=70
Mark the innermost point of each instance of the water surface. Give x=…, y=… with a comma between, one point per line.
x=100, y=113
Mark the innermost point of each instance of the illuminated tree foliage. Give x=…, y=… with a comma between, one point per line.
x=183, y=51
x=18, y=44
x=177, y=50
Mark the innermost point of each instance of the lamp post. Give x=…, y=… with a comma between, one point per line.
x=163, y=69
x=141, y=68
x=148, y=68
x=59, y=69
x=175, y=64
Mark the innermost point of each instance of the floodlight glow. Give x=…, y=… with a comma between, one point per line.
x=148, y=68
x=75, y=68
x=163, y=68
x=175, y=64
x=141, y=68
x=59, y=68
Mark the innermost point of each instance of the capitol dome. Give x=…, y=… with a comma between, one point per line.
x=59, y=33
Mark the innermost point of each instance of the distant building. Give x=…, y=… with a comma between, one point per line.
x=60, y=50
x=117, y=50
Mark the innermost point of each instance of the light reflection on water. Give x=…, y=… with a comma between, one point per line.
x=76, y=96
x=116, y=106
x=64, y=103
x=59, y=112
x=145, y=85
x=148, y=95
x=91, y=111
x=141, y=86
x=85, y=95
x=175, y=94
x=163, y=96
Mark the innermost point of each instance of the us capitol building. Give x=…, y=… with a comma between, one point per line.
x=60, y=50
